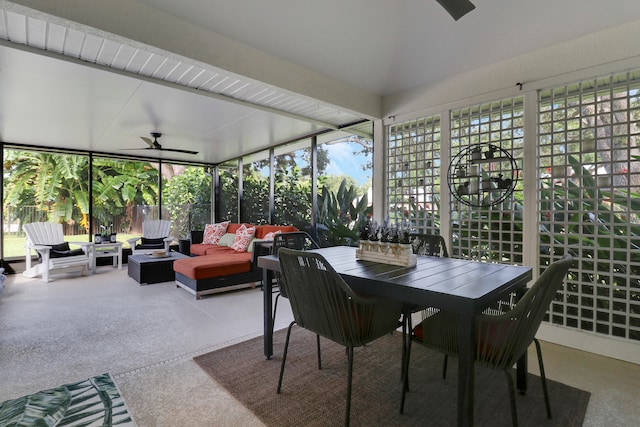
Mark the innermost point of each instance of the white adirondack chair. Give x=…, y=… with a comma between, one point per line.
x=157, y=229
x=40, y=237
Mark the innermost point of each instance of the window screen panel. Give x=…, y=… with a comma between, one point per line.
x=413, y=175
x=490, y=232
x=590, y=199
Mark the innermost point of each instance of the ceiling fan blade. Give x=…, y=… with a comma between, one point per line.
x=177, y=150
x=155, y=145
x=457, y=8
x=148, y=141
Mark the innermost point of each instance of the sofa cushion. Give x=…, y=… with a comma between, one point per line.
x=63, y=250
x=198, y=249
x=244, y=235
x=225, y=262
x=213, y=232
x=233, y=227
x=158, y=241
x=263, y=230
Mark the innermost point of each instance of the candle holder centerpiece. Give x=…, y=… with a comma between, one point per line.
x=385, y=244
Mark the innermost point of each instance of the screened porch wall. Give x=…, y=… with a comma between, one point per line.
x=583, y=177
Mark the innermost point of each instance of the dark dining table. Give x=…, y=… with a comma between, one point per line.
x=456, y=285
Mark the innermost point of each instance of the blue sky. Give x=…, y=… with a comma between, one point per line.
x=344, y=162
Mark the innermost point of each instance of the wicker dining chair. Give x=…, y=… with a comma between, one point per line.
x=298, y=240
x=323, y=303
x=427, y=245
x=499, y=340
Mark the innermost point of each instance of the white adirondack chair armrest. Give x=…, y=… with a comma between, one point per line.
x=132, y=242
x=39, y=248
x=87, y=247
x=83, y=244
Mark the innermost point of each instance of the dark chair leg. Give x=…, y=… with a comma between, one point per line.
x=444, y=366
x=275, y=309
x=284, y=355
x=349, y=377
x=512, y=399
x=318, y=345
x=543, y=378
x=407, y=349
x=405, y=375
x=404, y=344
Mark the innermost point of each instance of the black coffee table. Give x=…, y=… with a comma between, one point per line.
x=146, y=269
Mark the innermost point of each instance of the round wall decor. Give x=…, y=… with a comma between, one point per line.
x=482, y=175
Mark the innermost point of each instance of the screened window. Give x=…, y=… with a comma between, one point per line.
x=44, y=186
x=490, y=231
x=229, y=186
x=186, y=198
x=125, y=193
x=344, y=184
x=255, y=188
x=293, y=185
x=589, y=201
x=413, y=175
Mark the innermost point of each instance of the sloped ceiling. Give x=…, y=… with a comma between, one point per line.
x=230, y=78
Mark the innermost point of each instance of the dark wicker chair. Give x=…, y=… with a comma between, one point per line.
x=428, y=244
x=500, y=340
x=298, y=240
x=323, y=303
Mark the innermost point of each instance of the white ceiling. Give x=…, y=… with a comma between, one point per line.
x=74, y=78
x=387, y=46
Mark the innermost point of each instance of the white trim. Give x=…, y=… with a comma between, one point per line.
x=606, y=346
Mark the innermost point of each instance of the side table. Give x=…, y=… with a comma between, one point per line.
x=104, y=250
x=146, y=269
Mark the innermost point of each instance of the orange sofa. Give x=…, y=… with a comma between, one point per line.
x=216, y=268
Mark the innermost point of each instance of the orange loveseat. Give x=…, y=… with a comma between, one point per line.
x=214, y=268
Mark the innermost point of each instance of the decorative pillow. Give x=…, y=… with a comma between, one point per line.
x=227, y=239
x=244, y=235
x=271, y=235
x=213, y=232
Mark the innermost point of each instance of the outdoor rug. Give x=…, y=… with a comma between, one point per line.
x=312, y=397
x=92, y=402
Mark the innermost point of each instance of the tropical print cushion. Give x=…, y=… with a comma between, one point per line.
x=244, y=235
x=213, y=232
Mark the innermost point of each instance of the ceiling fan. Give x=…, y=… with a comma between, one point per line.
x=457, y=8
x=155, y=145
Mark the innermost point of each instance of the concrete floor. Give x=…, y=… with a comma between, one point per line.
x=146, y=336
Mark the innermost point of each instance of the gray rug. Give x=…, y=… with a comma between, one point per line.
x=92, y=402
x=313, y=397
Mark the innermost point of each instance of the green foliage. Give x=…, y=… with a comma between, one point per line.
x=292, y=198
x=187, y=197
x=342, y=213
x=54, y=183
x=58, y=185
x=255, y=197
x=229, y=195
x=594, y=225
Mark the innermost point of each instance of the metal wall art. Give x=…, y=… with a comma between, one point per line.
x=482, y=175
